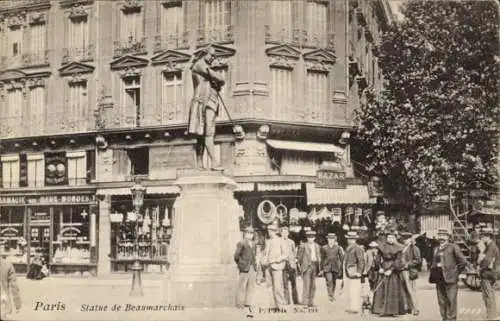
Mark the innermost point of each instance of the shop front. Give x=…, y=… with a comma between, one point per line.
x=60, y=227
x=152, y=235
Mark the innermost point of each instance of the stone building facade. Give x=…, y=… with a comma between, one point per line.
x=94, y=95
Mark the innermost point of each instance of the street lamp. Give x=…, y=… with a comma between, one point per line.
x=138, y=192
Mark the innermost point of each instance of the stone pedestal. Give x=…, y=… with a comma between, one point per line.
x=205, y=233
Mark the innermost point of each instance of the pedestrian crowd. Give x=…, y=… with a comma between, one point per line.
x=379, y=279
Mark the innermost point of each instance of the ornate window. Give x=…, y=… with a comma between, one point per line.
x=281, y=26
x=131, y=99
x=15, y=105
x=131, y=27
x=78, y=40
x=317, y=92
x=14, y=46
x=317, y=23
x=171, y=27
x=36, y=171
x=171, y=95
x=10, y=171
x=77, y=101
x=281, y=91
x=37, y=99
x=215, y=21
x=37, y=54
x=130, y=35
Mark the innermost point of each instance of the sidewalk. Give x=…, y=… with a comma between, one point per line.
x=53, y=292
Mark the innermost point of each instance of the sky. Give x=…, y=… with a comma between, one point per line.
x=395, y=7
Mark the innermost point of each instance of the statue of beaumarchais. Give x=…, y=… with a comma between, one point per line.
x=204, y=106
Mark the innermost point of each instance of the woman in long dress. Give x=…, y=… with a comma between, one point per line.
x=391, y=297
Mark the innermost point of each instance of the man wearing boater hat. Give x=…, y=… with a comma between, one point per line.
x=275, y=255
x=332, y=258
x=488, y=261
x=244, y=256
x=447, y=265
x=354, y=266
x=309, y=258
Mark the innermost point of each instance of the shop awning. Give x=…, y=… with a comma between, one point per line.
x=304, y=146
x=244, y=187
x=278, y=186
x=352, y=194
x=149, y=190
x=163, y=189
x=114, y=191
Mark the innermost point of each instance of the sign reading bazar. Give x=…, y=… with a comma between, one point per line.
x=52, y=199
x=331, y=175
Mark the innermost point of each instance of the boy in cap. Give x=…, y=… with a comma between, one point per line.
x=290, y=271
x=244, y=256
x=488, y=262
x=309, y=258
x=276, y=255
x=354, y=266
x=447, y=265
x=332, y=258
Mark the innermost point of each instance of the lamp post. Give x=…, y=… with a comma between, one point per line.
x=138, y=192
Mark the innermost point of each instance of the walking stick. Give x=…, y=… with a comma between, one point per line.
x=236, y=128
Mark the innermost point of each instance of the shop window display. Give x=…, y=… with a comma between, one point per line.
x=13, y=235
x=39, y=232
x=153, y=234
x=72, y=237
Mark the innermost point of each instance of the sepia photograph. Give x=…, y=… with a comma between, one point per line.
x=196, y=160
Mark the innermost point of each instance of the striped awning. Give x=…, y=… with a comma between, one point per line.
x=278, y=186
x=171, y=189
x=352, y=194
x=304, y=146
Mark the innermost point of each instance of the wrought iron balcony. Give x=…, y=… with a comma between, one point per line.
x=171, y=41
x=36, y=58
x=282, y=35
x=224, y=34
x=81, y=54
x=129, y=46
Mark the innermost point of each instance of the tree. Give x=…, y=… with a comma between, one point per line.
x=434, y=128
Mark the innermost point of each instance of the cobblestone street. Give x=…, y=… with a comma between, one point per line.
x=52, y=293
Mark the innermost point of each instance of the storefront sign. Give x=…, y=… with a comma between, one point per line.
x=12, y=200
x=40, y=218
x=58, y=199
x=9, y=232
x=327, y=178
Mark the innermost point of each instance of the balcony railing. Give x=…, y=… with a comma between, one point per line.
x=129, y=46
x=299, y=37
x=81, y=54
x=171, y=41
x=223, y=34
x=63, y=122
x=29, y=59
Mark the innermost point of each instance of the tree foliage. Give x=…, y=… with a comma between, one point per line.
x=434, y=128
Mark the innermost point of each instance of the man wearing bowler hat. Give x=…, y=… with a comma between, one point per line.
x=447, y=265
x=275, y=255
x=309, y=258
x=354, y=266
x=244, y=256
x=332, y=257
x=488, y=261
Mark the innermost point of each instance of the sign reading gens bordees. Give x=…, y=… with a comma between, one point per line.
x=52, y=199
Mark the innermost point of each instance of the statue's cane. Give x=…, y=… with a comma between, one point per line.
x=237, y=129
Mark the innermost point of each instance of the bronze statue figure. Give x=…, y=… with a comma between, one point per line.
x=204, y=106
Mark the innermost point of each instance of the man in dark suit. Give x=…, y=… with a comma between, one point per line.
x=290, y=270
x=244, y=256
x=448, y=263
x=488, y=260
x=309, y=257
x=332, y=258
